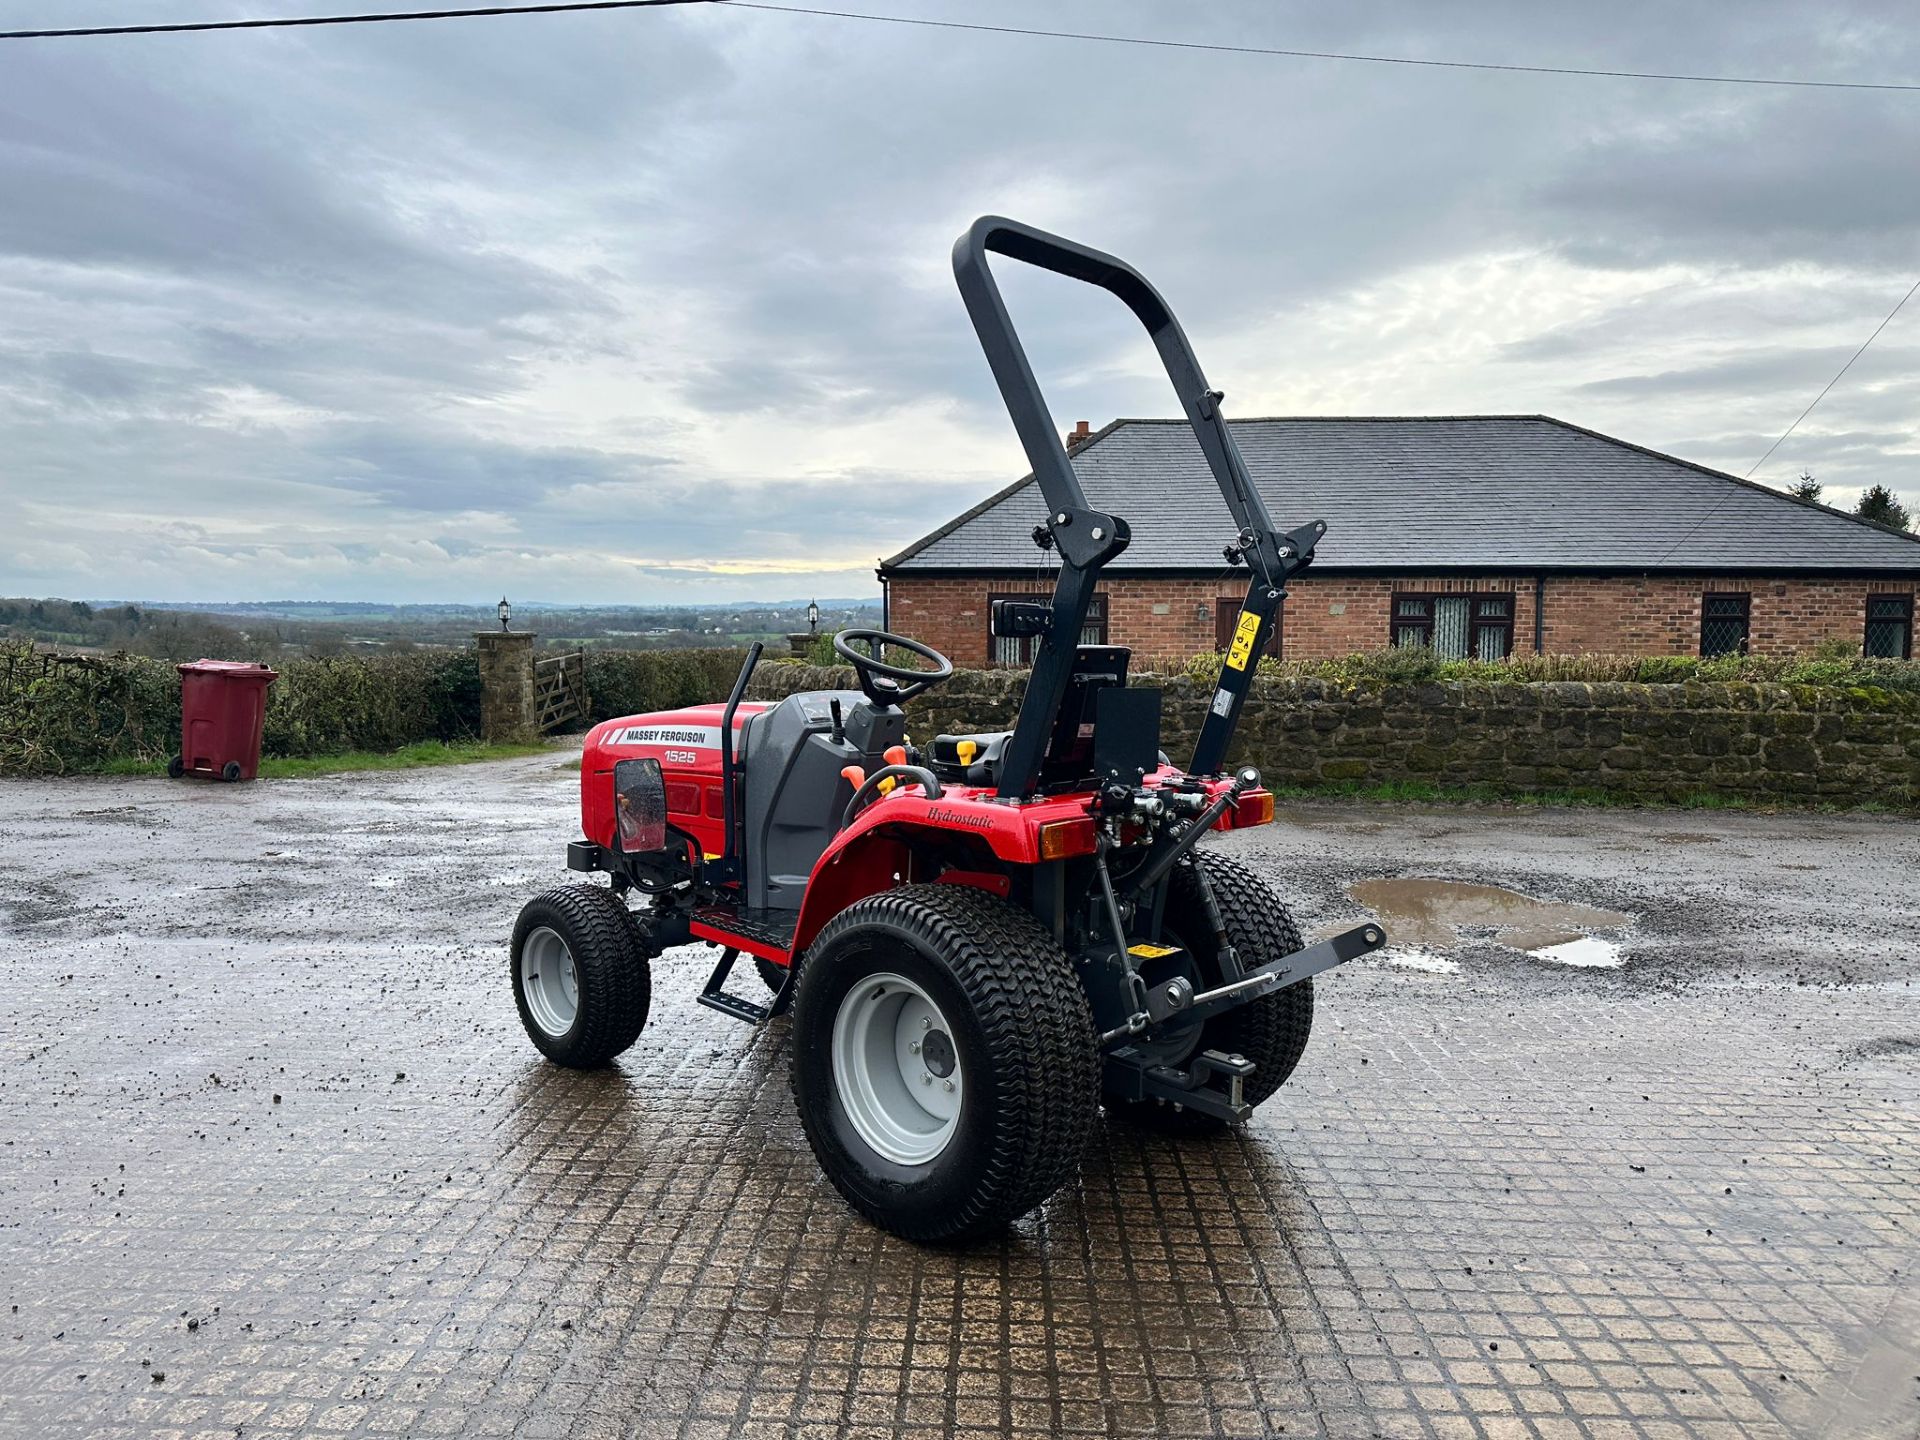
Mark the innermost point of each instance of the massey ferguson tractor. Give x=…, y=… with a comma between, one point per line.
x=984, y=939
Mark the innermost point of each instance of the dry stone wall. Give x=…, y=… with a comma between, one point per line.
x=1798, y=743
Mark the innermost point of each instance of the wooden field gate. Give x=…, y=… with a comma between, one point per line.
x=560, y=691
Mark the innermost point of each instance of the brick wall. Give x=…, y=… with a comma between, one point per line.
x=1327, y=616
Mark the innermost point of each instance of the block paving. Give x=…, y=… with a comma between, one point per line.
x=278, y=1161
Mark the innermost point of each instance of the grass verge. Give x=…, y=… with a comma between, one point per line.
x=407, y=757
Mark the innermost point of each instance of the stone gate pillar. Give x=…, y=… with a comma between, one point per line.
x=507, y=714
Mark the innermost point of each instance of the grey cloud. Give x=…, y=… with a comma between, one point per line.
x=392, y=240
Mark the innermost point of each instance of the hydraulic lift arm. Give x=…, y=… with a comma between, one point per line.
x=1087, y=539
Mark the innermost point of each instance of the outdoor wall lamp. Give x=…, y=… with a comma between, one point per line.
x=505, y=612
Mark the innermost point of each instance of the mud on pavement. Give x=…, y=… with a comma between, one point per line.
x=278, y=1160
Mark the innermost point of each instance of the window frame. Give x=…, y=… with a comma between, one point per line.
x=1097, y=617
x=1904, y=620
x=1745, y=597
x=1226, y=619
x=1505, y=624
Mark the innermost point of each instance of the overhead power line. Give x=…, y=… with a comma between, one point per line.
x=1084, y=36
x=1344, y=55
x=1753, y=469
x=1836, y=378
x=188, y=27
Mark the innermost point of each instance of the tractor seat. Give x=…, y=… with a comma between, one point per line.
x=981, y=762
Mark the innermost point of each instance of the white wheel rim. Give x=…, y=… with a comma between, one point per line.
x=897, y=1069
x=549, y=982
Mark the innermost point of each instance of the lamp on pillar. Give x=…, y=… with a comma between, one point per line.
x=813, y=617
x=504, y=611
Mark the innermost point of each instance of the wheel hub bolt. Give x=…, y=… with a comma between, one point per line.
x=913, y=1047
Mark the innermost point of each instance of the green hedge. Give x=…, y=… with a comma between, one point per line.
x=1415, y=665
x=325, y=707
x=67, y=713
x=60, y=714
x=632, y=682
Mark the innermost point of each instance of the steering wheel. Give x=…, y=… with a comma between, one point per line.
x=886, y=684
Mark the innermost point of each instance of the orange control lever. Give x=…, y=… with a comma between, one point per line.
x=896, y=755
x=854, y=775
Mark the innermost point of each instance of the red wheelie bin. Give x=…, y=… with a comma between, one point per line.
x=223, y=709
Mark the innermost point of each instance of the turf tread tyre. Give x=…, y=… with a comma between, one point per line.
x=1272, y=1031
x=1033, y=1076
x=610, y=964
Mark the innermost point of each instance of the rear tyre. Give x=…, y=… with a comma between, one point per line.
x=944, y=1062
x=176, y=767
x=230, y=771
x=1272, y=1031
x=581, y=980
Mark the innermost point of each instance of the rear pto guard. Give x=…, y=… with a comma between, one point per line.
x=983, y=939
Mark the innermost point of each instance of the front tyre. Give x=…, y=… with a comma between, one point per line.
x=581, y=980
x=943, y=1061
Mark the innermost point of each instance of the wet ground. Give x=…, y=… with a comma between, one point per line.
x=277, y=1160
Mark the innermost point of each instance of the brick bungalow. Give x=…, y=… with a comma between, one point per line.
x=1487, y=535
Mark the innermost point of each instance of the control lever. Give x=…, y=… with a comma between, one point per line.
x=1156, y=870
x=839, y=721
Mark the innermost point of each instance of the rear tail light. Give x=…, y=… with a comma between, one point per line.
x=683, y=797
x=1253, y=808
x=1062, y=838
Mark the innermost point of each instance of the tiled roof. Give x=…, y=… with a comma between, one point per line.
x=1501, y=492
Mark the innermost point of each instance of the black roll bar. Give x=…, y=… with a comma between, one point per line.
x=727, y=866
x=1087, y=539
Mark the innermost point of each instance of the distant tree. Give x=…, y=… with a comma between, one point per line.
x=1806, y=487
x=1882, y=507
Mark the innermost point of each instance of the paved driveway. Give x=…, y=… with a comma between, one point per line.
x=277, y=1159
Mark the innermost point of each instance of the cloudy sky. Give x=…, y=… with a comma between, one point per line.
x=656, y=305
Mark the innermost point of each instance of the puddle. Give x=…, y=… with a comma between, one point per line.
x=1425, y=916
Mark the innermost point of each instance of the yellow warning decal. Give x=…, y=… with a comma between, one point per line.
x=1152, y=952
x=1244, y=634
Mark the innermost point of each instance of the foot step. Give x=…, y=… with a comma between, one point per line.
x=715, y=998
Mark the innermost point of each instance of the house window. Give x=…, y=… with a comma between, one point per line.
x=1019, y=649
x=1724, y=624
x=1456, y=626
x=1226, y=619
x=1890, y=626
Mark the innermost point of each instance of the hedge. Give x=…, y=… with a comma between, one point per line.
x=633, y=682
x=66, y=713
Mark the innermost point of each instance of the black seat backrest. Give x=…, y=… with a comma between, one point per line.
x=794, y=792
x=1070, y=749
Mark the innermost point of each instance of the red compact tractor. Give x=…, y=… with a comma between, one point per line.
x=985, y=939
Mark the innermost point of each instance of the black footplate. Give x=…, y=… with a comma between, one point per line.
x=715, y=998
x=761, y=927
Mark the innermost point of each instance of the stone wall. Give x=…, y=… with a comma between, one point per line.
x=1643, y=742
x=1327, y=616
